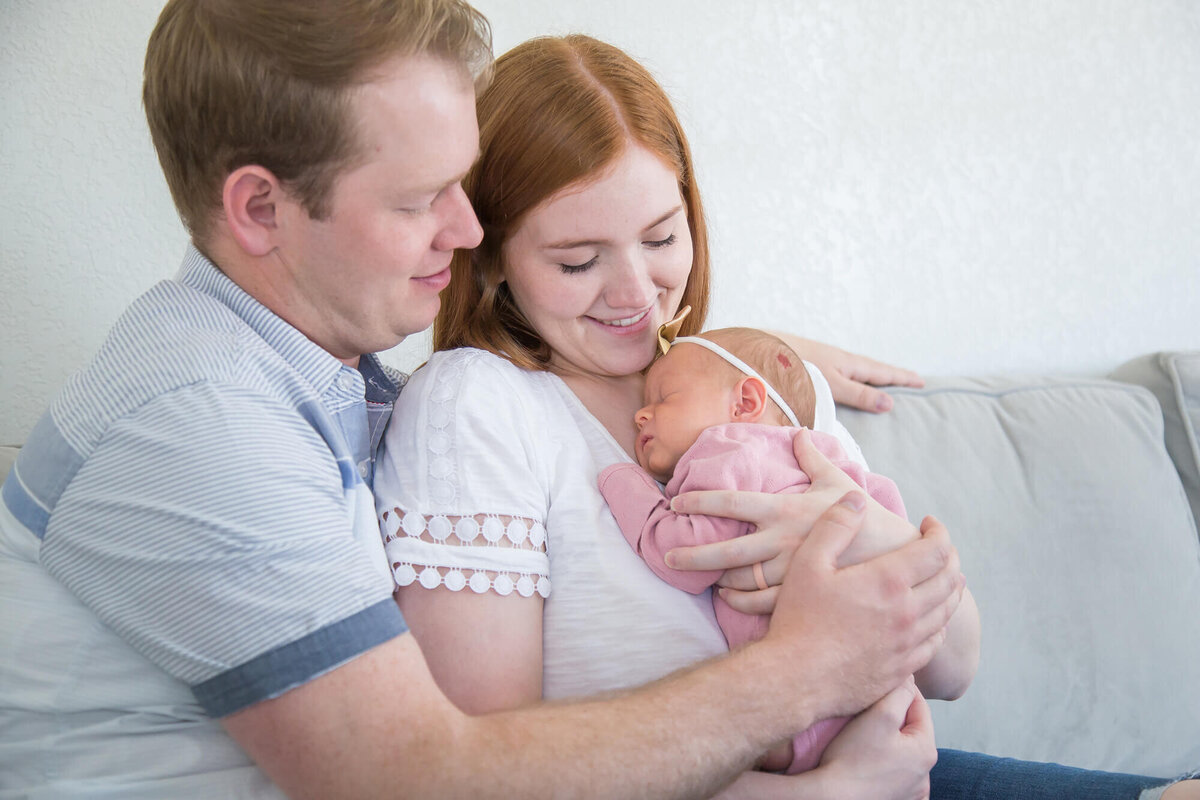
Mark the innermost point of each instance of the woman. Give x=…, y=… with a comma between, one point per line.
x=513, y=575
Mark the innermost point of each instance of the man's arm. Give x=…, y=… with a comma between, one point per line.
x=379, y=725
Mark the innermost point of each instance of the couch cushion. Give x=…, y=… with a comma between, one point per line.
x=1081, y=551
x=1174, y=378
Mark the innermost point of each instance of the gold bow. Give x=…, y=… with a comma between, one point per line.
x=669, y=330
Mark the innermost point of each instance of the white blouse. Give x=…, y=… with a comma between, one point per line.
x=488, y=483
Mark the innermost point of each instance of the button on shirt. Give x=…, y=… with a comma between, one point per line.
x=187, y=531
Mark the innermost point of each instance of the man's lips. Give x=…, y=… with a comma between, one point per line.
x=438, y=280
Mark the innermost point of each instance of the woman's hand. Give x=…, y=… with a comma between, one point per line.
x=884, y=752
x=782, y=522
x=852, y=377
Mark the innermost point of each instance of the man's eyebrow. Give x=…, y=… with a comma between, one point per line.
x=456, y=179
x=573, y=243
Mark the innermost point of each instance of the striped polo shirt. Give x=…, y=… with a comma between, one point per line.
x=188, y=530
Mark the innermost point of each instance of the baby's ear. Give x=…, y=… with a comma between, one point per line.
x=750, y=399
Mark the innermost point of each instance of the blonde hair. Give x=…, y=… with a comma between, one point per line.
x=235, y=82
x=557, y=113
x=777, y=363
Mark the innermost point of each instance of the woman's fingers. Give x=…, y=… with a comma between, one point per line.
x=746, y=506
x=755, y=602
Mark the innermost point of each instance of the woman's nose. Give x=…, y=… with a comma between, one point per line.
x=631, y=285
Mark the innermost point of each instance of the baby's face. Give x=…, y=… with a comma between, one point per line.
x=685, y=393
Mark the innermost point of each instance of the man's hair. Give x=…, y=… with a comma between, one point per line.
x=777, y=363
x=230, y=83
x=557, y=112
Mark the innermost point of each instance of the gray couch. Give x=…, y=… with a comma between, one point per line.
x=1076, y=522
x=1075, y=518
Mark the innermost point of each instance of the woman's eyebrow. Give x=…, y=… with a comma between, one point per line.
x=570, y=244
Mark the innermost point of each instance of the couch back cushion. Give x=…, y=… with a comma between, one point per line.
x=1174, y=379
x=1081, y=551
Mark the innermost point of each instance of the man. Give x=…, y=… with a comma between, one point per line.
x=196, y=600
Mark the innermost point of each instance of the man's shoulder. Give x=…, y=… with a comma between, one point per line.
x=171, y=337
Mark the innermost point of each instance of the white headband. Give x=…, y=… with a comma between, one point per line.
x=745, y=369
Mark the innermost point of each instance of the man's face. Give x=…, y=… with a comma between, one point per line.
x=369, y=274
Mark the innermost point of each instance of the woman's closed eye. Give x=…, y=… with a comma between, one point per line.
x=667, y=242
x=571, y=269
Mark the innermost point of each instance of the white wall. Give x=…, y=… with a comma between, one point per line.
x=957, y=186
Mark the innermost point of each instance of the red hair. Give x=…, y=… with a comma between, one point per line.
x=557, y=112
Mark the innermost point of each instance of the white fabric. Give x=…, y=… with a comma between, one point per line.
x=825, y=417
x=471, y=435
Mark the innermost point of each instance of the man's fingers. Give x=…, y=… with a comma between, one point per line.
x=860, y=395
x=917, y=562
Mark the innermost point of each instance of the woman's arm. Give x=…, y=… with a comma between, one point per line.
x=853, y=377
x=484, y=651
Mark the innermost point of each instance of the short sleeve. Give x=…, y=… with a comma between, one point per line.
x=461, y=486
x=210, y=530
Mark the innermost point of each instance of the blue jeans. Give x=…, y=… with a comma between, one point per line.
x=975, y=776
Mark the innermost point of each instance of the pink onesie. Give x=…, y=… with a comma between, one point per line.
x=744, y=456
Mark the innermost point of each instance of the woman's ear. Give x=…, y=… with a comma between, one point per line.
x=750, y=399
x=250, y=199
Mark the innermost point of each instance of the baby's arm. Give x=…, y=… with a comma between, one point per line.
x=652, y=528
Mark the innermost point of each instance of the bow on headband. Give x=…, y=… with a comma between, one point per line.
x=669, y=330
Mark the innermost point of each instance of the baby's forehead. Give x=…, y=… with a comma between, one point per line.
x=685, y=357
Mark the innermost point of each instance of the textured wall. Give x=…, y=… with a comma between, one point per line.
x=959, y=187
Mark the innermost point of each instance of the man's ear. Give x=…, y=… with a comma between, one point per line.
x=750, y=400
x=250, y=198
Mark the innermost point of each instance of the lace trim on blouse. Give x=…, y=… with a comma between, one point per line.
x=484, y=552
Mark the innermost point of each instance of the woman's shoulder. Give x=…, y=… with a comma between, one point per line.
x=469, y=360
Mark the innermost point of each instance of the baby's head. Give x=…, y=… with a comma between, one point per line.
x=692, y=387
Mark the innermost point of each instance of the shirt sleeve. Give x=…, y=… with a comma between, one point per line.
x=210, y=530
x=461, y=486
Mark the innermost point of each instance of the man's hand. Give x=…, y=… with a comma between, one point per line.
x=871, y=624
x=852, y=377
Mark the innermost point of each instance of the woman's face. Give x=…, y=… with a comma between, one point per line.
x=600, y=265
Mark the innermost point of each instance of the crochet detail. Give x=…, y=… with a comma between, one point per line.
x=484, y=552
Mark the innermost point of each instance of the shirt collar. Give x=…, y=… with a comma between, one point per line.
x=312, y=361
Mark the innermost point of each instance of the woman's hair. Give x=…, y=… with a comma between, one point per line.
x=235, y=82
x=558, y=112
x=777, y=363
